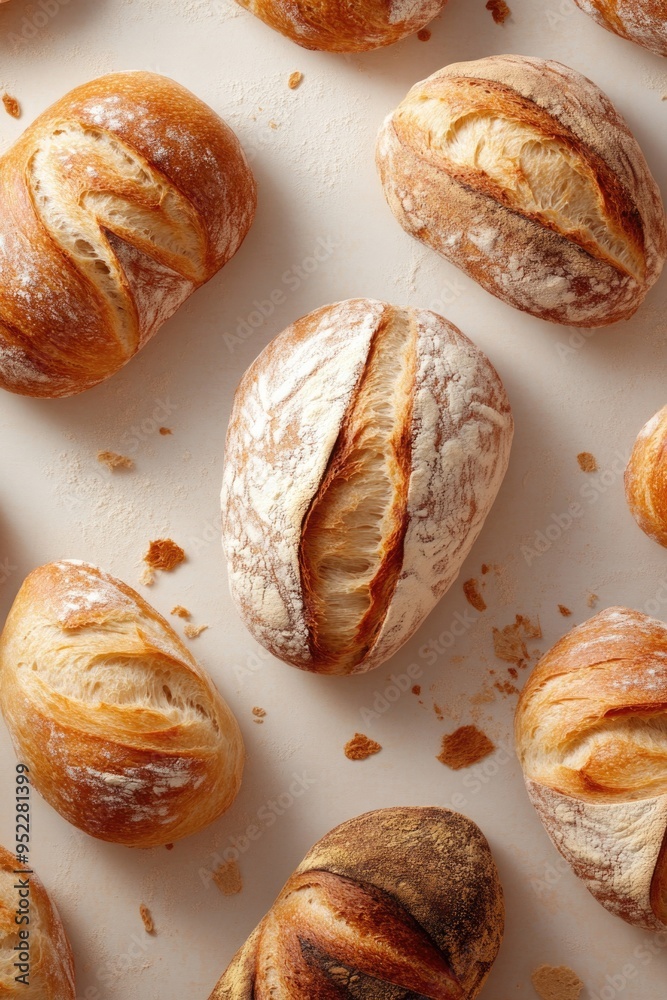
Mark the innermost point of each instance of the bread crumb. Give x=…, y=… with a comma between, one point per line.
x=465, y=747
x=295, y=80
x=509, y=643
x=169, y=847
x=424, y=35
x=228, y=878
x=564, y=611
x=113, y=460
x=165, y=430
x=192, y=631
x=417, y=689
x=360, y=747
x=259, y=714
x=485, y=569
x=438, y=712
x=587, y=462
x=181, y=612
x=499, y=10
x=164, y=554
x=473, y=596
x=12, y=106
x=147, y=919
x=147, y=577
x=557, y=983
x=592, y=600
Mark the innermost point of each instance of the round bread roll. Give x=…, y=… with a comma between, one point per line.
x=591, y=735
x=641, y=21
x=115, y=205
x=522, y=173
x=397, y=903
x=123, y=732
x=646, y=478
x=345, y=27
x=50, y=965
x=365, y=449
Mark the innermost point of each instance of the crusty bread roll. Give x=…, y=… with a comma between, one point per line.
x=51, y=965
x=123, y=732
x=116, y=204
x=345, y=27
x=523, y=174
x=641, y=21
x=366, y=446
x=395, y=903
x=646, y=478
x=591, y=734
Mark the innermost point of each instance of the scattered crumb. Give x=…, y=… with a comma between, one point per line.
x=169, y=847
x=147, y=919
x=192, y=631
x=564, y=611
x=506, y=688
x=165, y=430
x=424, y=35
x=465, y=747
x=164, y=554
x=273, y=125
x=228, y=878
x=557, y=983
x=587, y=462
x=295, y=80
x=181, y=612
x=485, y=569
x=499, y=10
x=147, y=577
x=592, y=600
x=438, y=711
x=113, y=460
x=12, y=106
x=417, y=689
x=473, y=596
x=260, y=714
x=509, y=643
x=360, y=747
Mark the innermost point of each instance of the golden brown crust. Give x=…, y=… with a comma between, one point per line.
x=646, y=478
x=640, y=21
x=394, y=900
x=123, y=732
x=115, y=204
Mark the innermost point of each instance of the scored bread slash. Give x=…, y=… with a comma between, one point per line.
x=114, y=461
x=147, y=919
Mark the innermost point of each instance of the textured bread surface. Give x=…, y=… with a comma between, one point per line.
x=646, y=478
x=365, y=449
x=115, y=205
x=397, y=903
x=51, y=962
x=640, y=21
x=591, y=734
x=521, y=172
x=123, y=732
x=341, y=26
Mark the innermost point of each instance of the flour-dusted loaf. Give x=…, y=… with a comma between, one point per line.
x=523, y=174
x=123, y=732
x=51, y=965
x=646, y=478
x=641, y=21
x=115, y=205
x=345, y=27
x=591, y=734
x=397, y=903
x=366, y=446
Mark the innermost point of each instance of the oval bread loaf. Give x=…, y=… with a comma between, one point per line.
x=115, y=205
x=345, y=27
x=366, y=446
x=646, y=478
x=123, y=733
x=523, y=174
x=641, y=21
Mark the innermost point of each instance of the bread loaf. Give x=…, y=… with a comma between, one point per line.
x=115, y=204
x=345, y=27
x=591, y=734
x=641, y=21
x=646, y=478
x=522, y=173
x=396, y=903
x=366, y=446
x=50, y=975
x=123, y=733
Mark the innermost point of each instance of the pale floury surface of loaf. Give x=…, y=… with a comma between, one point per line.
x=641, y=21
x=522, y=173
x=123, y=732
x=646, y=478
x=397, y=902
x=365, y=449
x=345, y=27
x=51, y=964
x=591, y=734
x=115, y=205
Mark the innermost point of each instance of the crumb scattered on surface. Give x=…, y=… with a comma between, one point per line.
x=424, y=35
x=147, y=919
x=509, y=643
x=165, y=430
x=473, y=596
x=557, y=983
x=147, y=577
x=465, y=747
x=417, y=689
x=228, y=878
x=259, y=713
x=564, y=611
x=192, y=631
x=164, y=554
x=360, y=747
x=499, y=10
x=169, y=847
x=295, y=80
x=485, y=569
x=587, y=462
x=12, y=106
x=181, y=612
x=438, y=711
x=592, y=600
x=113, y=460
